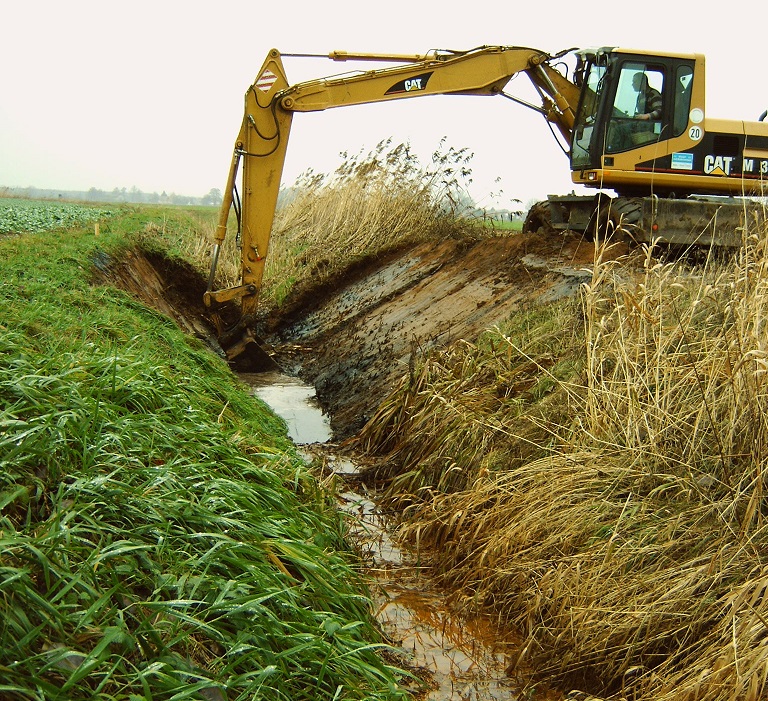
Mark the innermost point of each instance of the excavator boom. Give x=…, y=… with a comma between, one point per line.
x=260, y=147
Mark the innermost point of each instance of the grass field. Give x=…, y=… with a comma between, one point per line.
x=31, y=216
x=160, y=537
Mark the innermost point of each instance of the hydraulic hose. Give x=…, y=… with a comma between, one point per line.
x=214, y=263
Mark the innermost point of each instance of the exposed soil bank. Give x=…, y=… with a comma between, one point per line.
x=353, y=339
x=173, y=288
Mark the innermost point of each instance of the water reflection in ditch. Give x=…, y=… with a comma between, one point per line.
x=465, y=658
x=293, y=401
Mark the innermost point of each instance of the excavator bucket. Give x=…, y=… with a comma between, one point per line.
x=251, y=354
x=246, y=351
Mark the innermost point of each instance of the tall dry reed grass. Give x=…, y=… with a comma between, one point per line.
x=599, y=480
x=372, y=203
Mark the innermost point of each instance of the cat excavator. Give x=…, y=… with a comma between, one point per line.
x=633, y=123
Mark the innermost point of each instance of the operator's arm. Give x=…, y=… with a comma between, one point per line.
x=653, y=105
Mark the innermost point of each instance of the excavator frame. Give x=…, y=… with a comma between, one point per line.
x=685, y=154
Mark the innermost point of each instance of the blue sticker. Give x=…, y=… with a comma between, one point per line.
x=682, y=161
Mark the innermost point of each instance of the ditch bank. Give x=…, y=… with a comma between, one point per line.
x=353, y=337
x=351, y=340
x=456, y=656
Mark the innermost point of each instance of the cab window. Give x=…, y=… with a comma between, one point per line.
x=593, y=88
x=682, y=99
x=638, y=107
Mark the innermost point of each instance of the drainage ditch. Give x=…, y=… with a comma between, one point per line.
x=461, y=658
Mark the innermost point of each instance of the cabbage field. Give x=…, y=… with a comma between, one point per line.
x=33, y=216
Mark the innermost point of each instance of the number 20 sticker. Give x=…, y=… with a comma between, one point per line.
x=695, y=133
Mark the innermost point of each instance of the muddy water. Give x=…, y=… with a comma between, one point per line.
x=465, y=659
x=293, y=401
x=461, y=659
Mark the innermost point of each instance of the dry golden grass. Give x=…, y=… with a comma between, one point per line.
x=595, y=475
x=372, y=203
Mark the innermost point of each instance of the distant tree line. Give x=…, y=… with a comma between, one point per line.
x=133, y=195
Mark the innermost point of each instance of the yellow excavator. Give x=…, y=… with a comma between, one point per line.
x=634, y=123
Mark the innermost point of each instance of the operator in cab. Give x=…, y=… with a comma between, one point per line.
x=648, y=99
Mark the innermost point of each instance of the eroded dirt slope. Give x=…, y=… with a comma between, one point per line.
x=353, y=338
x=172, y=287
x=354, y=341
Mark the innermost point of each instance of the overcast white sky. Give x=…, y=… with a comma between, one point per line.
x=149, y=94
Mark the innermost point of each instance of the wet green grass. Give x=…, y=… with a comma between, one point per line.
x=159, y=537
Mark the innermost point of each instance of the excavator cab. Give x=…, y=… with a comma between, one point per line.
x=629, y=102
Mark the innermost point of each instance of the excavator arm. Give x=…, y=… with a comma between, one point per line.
x=270, y=103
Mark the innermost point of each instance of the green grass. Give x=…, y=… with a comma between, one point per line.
x=516, y=225
x=160, y=538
